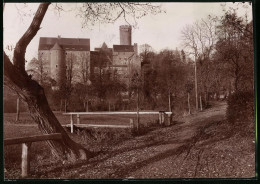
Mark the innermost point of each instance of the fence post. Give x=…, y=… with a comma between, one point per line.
x=71, y=123
x=18, y=109
x=169, y=118
x=161, y=117
x=26, y=159
x=131, y=123
x=78, y=119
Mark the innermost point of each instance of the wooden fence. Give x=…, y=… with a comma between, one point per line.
x=26, y=144
x=164, y=118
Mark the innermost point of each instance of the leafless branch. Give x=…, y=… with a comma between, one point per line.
x=110, y=12
x=20, y=48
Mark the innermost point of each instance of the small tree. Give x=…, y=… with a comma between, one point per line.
x=136, y=83
x=189, y=87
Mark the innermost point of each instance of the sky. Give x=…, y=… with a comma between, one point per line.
x=159, y=31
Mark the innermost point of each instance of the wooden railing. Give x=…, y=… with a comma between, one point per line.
x=164, y=118
x=26, y=144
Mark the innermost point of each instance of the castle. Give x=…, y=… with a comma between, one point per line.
x=72, y=56
x=124, y=59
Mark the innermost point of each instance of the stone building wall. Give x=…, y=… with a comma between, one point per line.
x=75, y=50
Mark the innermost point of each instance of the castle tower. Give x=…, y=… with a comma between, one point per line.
x=125, y=35
x=58, y=65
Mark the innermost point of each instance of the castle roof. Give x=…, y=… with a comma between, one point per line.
x=74, y=44
x=56, y=47
x=123, y=48
x=34, y=60
x=104, y=46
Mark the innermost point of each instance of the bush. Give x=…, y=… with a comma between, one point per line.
x=103, y=135
x=240, y=107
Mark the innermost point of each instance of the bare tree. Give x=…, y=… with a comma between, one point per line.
x=85, y=75
x=146, y=52
x=33, y=94
x=136, y=81
x=200, y=39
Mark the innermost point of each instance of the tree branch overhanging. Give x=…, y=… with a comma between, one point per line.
x=20, y=48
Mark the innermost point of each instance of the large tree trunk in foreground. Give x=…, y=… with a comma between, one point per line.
x=32, y=93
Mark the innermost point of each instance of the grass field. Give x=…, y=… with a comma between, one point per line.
x=9, y=118
x=40, y=153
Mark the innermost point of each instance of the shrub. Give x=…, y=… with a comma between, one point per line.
x=240, y=107
x=103, y=135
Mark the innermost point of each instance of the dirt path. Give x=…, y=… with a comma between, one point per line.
x=198, y=145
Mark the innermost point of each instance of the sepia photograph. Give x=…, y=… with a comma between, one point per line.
x=129, y=90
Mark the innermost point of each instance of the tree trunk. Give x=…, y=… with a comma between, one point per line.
x=196, y=85
x=65, y=105
x=236, y=78
x=61, y=105
x=87, y=106
x=200, y=103
x=16, y=78
x=18, y=109
x=189, y=103
x=170, y=109
x=138, y=118
x=206, y=100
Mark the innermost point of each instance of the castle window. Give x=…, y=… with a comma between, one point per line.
x=56, y=66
